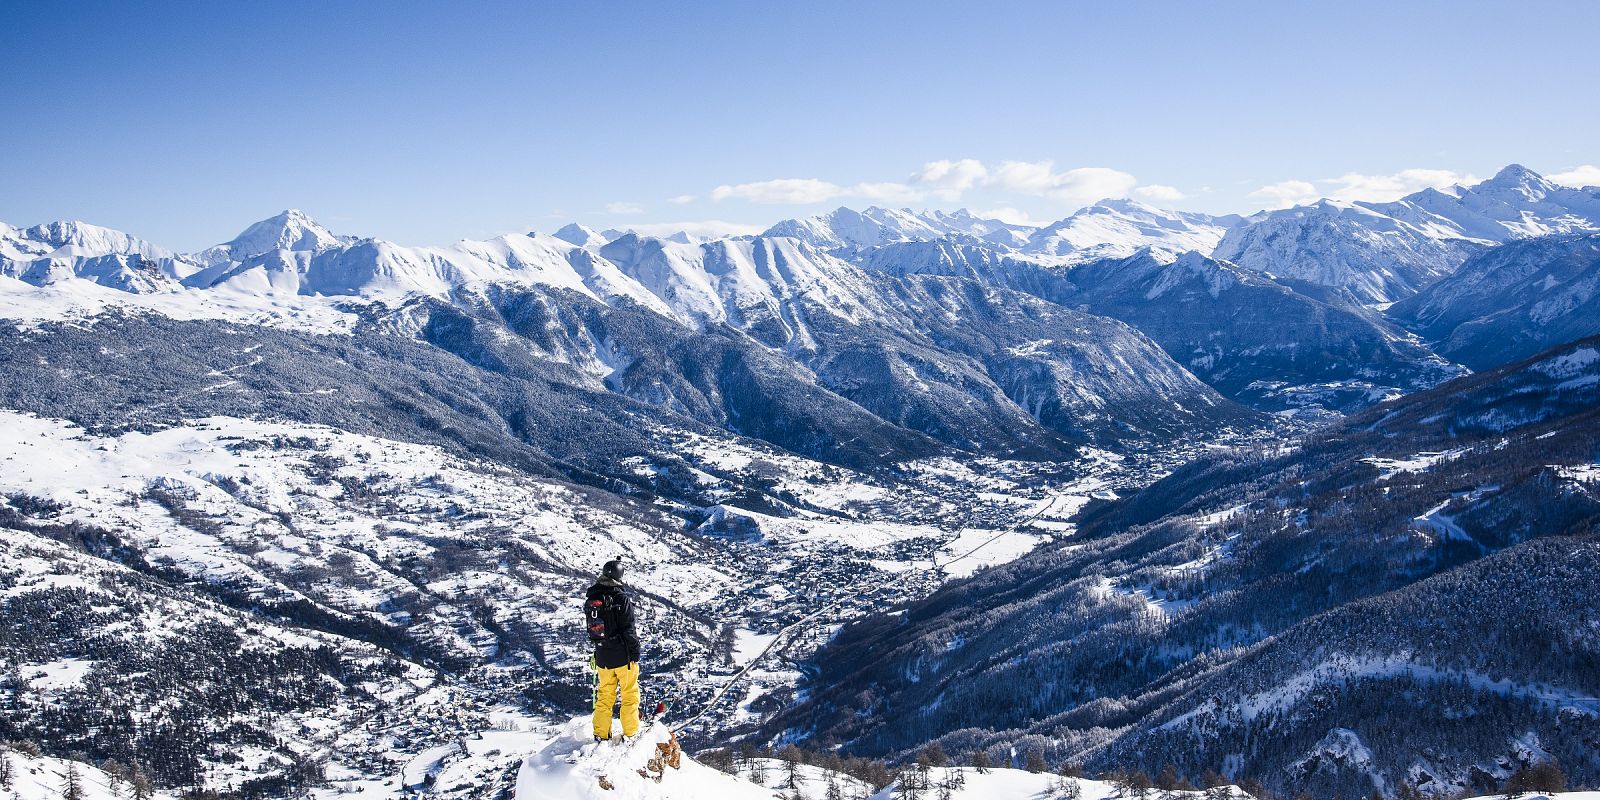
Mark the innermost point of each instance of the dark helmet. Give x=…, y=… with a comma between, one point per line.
x=612, y=571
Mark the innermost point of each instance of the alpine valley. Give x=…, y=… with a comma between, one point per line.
x=1306, y=501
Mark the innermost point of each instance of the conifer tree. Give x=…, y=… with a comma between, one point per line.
x=833, y=792
x=72, y=784
x=140, y=783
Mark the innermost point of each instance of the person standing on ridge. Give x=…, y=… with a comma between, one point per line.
x=608, y=613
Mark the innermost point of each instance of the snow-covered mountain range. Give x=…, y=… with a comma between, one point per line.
x=310, y=506
x=1383, y=252
x=1109, y=228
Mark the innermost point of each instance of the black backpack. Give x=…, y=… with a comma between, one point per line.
x=599, y=616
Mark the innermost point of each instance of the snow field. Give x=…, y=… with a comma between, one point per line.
x=569, y=765
x=43, y=778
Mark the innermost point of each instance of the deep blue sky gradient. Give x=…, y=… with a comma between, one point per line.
x=428, y=122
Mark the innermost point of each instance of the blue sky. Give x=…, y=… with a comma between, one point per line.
x=425, y=123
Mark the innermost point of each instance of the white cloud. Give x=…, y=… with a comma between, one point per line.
x=1015, y=216
x=1581, y=176
x=807, y=191
x=682, y=199
x=705, y=229
x=885, y=192
x=948, y=180
x=1284, y=194
x=1032, y=177
x=1386, y=188
x=780, y=191
x=1353, y=186
x=624, y=208
x=1159, y=192
x=1080, y=186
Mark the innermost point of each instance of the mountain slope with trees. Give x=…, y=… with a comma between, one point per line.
x=1340, y=574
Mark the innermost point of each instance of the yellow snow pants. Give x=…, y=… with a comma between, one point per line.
x=609, y=685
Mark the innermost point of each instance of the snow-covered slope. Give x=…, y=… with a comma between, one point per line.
x=290, y=230
x=846, y=228
x=1384, y=252
x=46, y=778
x=291, y=255
x=205, y=692
x=1117, y=228
x=1353, y=246
x=1104, y=229
x=752, y=284
x=60, y=252
x=1284, y=613
x=569, y=766
x=1256, y=340
x=582, y=236
x=994, y=231
x=263, y=509
x=1512, y=301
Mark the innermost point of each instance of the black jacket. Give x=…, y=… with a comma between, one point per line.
x=621, y=645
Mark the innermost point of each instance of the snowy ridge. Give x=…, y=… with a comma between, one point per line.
x=1380, y=252
x=745, y=283
x=376, y=269
x=275, y=263
x=845, y=228
x=1118, y=228
x=65, y=252
x=1384, y=252
x=289, y=230
x=67, y=240
x=1107, y=229
x=569, y=766
x=1511, y=301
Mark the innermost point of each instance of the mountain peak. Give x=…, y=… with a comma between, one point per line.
x=580, y=235
x=1120, y=204
x=1514, y=173
x=1518, y=179
x=290, y=229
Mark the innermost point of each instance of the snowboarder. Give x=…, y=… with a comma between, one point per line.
x=608, y=612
